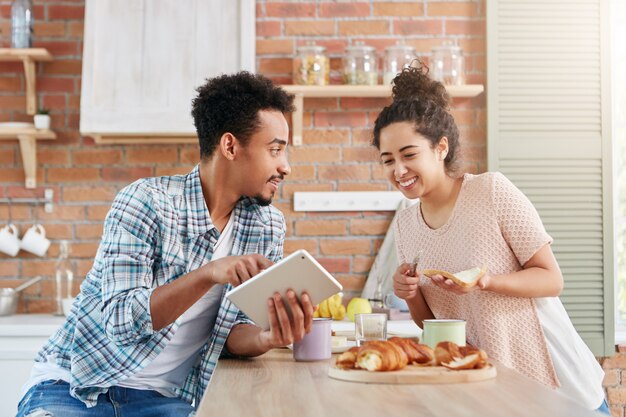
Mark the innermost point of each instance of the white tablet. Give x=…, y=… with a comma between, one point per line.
x=298, y=271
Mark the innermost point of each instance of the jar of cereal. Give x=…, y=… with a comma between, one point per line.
x=360, y=65
x=311, y=66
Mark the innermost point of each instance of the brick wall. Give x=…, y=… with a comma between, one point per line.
x=336, y=155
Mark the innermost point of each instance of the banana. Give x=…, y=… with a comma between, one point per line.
x=324, y=310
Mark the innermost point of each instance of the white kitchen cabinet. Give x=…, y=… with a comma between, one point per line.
x=21, y=337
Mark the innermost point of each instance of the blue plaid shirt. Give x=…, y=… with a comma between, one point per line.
x=157, y=230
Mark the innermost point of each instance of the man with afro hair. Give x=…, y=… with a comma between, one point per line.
x=151, y=321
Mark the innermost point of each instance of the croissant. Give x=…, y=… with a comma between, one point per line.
x=381, y=356
x=347, y=360
x=416, y=353
x=446, y=352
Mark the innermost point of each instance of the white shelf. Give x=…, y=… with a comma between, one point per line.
x=28, y=138
x=302, y=91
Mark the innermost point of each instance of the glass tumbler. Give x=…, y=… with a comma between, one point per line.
x=369, y=327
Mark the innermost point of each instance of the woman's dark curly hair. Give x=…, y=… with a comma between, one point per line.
x=231, y=104
x=424, y=102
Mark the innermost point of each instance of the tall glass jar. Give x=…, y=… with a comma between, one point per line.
x=360, y=65
x=21, y=24
x=397, y=57
x=448, y=64
x=311, y=66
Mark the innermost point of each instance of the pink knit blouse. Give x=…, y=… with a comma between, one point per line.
x=492, y=224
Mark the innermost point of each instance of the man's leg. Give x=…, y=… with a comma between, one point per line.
x=53, y=399
x=143, y=403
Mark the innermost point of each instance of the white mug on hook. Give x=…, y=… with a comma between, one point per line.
x=9, y=240
x=34, y=240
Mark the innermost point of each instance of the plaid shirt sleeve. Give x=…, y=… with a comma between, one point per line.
x=128, y=252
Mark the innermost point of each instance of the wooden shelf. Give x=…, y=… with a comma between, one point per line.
x=28, y=57
x=28, y=138
x=302, y=91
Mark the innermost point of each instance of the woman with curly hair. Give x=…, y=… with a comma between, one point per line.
x=464, y=221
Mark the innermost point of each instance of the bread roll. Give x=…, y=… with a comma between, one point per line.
x=446, y=352
x=381, y=356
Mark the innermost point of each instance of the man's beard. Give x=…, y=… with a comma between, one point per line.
x=262, y=201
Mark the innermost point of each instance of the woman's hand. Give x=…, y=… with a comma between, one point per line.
x=405, y=283
x=449, y=285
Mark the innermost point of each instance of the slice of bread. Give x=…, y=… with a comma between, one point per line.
x=467, y=278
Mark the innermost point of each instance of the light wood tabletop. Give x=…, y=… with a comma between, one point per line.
x=275, y=385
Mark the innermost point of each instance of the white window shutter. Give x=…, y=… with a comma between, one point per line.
x=548, y=131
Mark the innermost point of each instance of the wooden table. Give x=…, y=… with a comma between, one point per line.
x=275, y=385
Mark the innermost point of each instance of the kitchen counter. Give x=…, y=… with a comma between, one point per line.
x=275, y=385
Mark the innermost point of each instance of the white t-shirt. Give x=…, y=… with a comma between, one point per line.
x=168, y=371
x=578, y=371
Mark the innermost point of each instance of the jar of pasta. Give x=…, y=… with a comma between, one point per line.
x=311, y=66
x=360, y=65
x=397, y=57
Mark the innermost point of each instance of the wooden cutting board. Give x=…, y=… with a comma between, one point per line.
x=414, y=375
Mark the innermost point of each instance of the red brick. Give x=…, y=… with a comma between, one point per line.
x=97, y=156
x=10, y=84
x=61, y=48
x=362, y=264
x=58, y=231
x=334, y=10
x=169, y=171
x=73, y=174
x=52, y=156
x=335, y=265
x=190, y=155
x=344, y=173
x=399, y=9
x=351, y=282
x=7, y=156
x=49, y=29
x=447, y=9
x=463, y=27
x=345, y=246
x=65, y=67
x=292, y=245
x=314, y=154
x=418, y=27
x=152, y=155
x=97, y=212
x=290, y=10
x=343, y=119
x=333, y=46
x=75, y=29
x=265, y=28
x=55, y=84
x=66, y=12
x=350, y=103
x=275, y=65
x=310, y=27
x=369, y=226
x=274, y=46
x=326, y=137
x=62, y=213
x=367, y=27
x=8, y=268
x=321, y=227
x=89, y=194
x=89, y=231
x=302, y=173
x=363, y=154
x=126, y=175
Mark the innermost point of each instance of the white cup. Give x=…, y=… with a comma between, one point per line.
x=9, y=242
x=34, y=240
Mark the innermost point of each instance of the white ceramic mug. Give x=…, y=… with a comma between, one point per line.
x=34, y=240
x=443, y=330
x=9, y=240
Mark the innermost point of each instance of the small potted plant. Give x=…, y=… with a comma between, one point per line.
x=42, y=119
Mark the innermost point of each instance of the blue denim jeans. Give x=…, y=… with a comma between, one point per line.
x=52, y=398
x=604, y=408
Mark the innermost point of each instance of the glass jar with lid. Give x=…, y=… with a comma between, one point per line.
x=448, y=65
x=311, y=66
x=360, y=65
x=397, y=57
